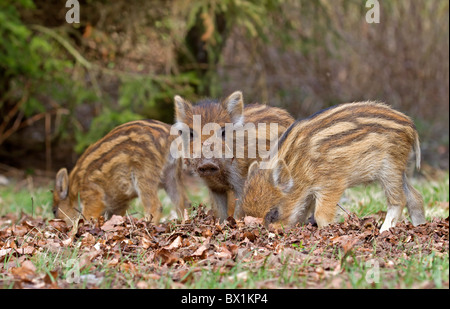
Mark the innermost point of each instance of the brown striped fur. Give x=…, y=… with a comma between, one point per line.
x=131, y=161
x=320, y=157
x=225, y=177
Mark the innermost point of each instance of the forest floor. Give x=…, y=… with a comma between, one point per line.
x=37, y=251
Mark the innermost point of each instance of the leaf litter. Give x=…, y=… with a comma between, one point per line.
x=127, y=249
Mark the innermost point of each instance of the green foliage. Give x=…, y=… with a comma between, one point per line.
x=34, y=77
x=21, y=54
x=24, y=56
x=292, y=51
x=209, y=24
x=148, y=96
x=152, y=95
x=41, y=65
x=103, y=123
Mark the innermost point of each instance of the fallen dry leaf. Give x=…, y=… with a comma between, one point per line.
x=20, y=230
x=25, y=272
x=166, y=256
x=223, y=253
x=112, y=223
x=248, y=220
x=183, y=250
x=175, y=244
x=26, y=250
x=59, y=225
x=200, y=250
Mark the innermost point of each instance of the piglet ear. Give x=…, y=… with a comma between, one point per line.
x=62, y=183
x=183, y=109
x=281, y=177
x=234, y=104
x=254, y=167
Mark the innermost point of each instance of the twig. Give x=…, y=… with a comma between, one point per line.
x=81, y=214
x=27, y=122
x=15, y=109
x=133, y=227
x=5, y=134
x=348, y=213
x=67, y=216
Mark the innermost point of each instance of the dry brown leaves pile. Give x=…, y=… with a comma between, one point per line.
x=125, y=248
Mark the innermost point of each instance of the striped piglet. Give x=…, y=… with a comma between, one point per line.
x=337, y=148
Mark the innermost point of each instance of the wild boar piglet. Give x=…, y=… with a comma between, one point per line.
x=320, y=157
x=224, y=138
x=133, y=160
